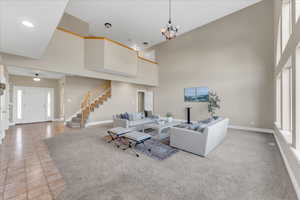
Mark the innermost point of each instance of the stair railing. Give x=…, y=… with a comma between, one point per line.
x=89, y=99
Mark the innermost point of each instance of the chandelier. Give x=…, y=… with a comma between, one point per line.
x=169, y=32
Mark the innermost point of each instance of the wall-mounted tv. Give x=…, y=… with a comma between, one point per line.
x=196, y=94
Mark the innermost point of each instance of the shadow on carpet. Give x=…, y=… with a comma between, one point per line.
x=243, y=167
x=159, y=151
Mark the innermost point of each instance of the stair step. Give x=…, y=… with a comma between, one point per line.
x=74, y=125
x=76, y=119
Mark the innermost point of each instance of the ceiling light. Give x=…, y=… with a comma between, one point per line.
x=107, y=25
x=36, y=78
x=145, y=43
x=27, y=24
x=170, y=31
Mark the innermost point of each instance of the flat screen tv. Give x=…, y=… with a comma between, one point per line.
x=196, y=94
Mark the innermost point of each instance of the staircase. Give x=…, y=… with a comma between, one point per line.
x=91, y=101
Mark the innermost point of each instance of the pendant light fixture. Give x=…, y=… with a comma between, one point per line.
x=170, y=31
x=36, y=78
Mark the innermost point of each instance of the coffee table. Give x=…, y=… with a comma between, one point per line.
x=161, y=128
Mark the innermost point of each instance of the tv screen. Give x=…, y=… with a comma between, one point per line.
x=196, y=94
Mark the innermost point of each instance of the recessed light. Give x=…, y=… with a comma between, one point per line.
x=36, y=78
x=27, y=24
x=145, y=43
x=107, y=25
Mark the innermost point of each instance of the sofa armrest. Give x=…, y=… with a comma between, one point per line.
x=188, y=140
x=121, y=123
x=216, y=134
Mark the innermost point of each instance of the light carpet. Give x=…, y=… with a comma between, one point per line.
x=243, y=167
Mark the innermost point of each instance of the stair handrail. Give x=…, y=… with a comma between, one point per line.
x=98, y=92
x=91, y=97
x=87, y=98
x=103, y=93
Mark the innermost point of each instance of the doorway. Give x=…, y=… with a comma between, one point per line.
x=33, y=104
x=144, y=100
x=141, y=101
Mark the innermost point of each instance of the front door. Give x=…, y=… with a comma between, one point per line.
x=33, y=104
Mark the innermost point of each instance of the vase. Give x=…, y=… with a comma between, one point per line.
x=169, y=119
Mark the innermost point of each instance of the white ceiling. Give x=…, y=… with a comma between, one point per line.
x=141, y=20
x=17, y=39
x=31, y=73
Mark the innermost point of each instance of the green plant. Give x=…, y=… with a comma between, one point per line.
x=169, y=114
x=213, y=103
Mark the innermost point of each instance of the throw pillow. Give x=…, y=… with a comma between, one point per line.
x=149, y=114
x=130, y=116
x=126, y=116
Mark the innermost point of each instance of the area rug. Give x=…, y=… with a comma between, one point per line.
x=159, y=151
x=243, y=167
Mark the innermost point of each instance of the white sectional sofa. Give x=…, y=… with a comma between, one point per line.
x=136, y=120
x=200, y=141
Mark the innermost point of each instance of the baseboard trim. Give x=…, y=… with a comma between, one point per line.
x=98, y=123
x=245, y=128
x=58, y=119
x=290, y=172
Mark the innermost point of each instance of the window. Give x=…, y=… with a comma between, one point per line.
x=284, y=100
x=19, y=104
x=49, y=105
x=278, y=101
x=278, y=43
x=287, y=99
x=286, y=22
x=297, y=14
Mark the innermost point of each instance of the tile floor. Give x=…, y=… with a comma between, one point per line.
x=26, y=168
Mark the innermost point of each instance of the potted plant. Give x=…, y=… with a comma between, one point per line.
x=2, y=88
x=213, y=104
x=169, y=117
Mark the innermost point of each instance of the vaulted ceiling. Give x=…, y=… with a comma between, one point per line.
x=133, y=21
x=137, y=21
x=26, y=26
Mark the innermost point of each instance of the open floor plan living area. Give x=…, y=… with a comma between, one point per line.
x=149, y=100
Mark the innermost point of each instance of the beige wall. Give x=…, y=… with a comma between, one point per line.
x=65, y=54
x=75, y=88
x=74, y=24
x=46, y=83
x=119, y=59
x=123, y=99
x=233, y=56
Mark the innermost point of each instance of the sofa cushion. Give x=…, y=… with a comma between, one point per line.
x=140, y=122
x=130, y=117
x=148, y=113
